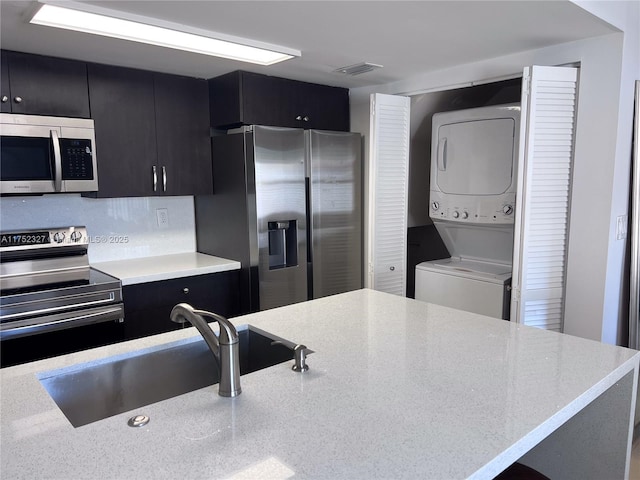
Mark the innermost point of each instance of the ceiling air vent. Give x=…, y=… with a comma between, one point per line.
x=358, y=68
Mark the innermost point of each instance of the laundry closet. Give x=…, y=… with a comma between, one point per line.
x=462, y=187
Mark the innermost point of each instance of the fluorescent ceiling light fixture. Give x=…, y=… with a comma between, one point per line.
x=110, y=23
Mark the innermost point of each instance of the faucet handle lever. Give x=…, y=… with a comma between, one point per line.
x=299, y=355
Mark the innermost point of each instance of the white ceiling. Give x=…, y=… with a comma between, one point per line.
x=407, y=37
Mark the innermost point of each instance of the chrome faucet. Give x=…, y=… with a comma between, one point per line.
x=225, y=349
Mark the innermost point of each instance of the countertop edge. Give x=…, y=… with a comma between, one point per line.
x=544, y=430
x=149, y=269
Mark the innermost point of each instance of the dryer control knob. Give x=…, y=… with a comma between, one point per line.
x=465, y=214
x=507, y=209
x=435, y=205
x=76, y=236
x=58, y=237
x=456, y=214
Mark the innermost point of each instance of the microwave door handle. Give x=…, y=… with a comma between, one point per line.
x=57, y=158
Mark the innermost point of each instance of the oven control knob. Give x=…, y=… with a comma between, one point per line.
x=435, y=205
x=456, y=214
x=465, y=215
x=507, y=209
x=58, y=237
x=76, y=236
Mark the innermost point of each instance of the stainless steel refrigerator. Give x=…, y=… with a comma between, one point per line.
x=287, y=204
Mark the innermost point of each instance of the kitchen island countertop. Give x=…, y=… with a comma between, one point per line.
x=396, y=389
x=165, y=267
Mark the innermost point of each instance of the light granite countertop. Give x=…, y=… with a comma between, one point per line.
x=165, y=267
x=396, y=389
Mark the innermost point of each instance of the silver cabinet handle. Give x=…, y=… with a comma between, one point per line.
x=305, y=118
x=299, y=117
x=164, y=178
x=17, y=99
x=5, y=99
x=155, y=178
x=57, y=158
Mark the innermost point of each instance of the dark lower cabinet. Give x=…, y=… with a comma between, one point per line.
x=147, y=306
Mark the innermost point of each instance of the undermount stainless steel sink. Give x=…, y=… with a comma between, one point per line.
x=90, y=392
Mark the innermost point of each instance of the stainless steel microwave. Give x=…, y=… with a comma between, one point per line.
x=47, y=155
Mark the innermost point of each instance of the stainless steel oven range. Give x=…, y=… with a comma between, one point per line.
x=51, y=301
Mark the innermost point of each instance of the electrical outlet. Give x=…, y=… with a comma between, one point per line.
x=162, y=214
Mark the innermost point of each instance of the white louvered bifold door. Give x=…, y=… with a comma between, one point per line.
x=388, y=180
x=549, y=97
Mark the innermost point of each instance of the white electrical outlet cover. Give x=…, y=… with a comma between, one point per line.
x=162, y=215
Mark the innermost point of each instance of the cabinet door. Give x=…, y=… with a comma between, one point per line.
x=5, y=91
x=244, y=98
x=183, y=140
x=268, y=101
x=148, y=306
x=289, y=103
x=122, y=106
x=321, y=107
x=48, y=86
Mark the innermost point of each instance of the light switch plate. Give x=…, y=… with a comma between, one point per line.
x=621, y=227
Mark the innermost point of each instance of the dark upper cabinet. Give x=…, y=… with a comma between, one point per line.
x=182, y=132
x=39, y=85
x=152, y=133
x=123, y=109
x=244, y=98
x=5, y=91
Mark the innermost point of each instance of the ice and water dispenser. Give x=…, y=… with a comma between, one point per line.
x=283, y=244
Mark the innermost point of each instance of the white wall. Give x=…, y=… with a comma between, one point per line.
x=593, y=306
x=120, y=228
x=627, y=18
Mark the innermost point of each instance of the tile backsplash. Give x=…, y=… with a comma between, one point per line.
x=119, y=228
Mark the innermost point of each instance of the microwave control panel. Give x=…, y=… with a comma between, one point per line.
x=77, y=159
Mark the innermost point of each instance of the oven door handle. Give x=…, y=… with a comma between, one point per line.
x=59, y=322
x=86, y=300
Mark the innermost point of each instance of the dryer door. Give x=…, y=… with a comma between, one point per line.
x=476, y=157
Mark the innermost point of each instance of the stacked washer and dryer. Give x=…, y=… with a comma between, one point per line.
x=472, y=203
